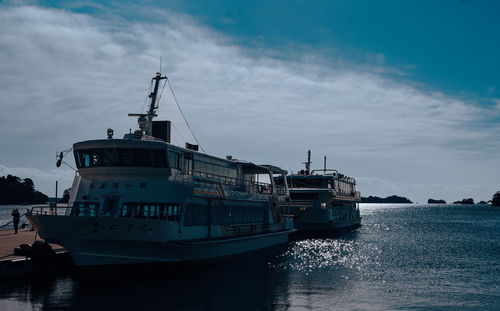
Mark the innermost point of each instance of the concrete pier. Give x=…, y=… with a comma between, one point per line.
x=12, y=266
x=9, y=240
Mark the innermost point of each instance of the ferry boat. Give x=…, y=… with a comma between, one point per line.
x=141, y=199
x=321, y=200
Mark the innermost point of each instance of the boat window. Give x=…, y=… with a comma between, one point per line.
x=84, y=209
x=109, y=206
x=171, y=212
x=126, y=211
x=162, y=211
x=214, y=170
x=109, y=157
x=307, y=182
x=188, y=163
x=179, y=213
x=173, y=159
x=242, y=213
x=139, y=211
x=153, y=212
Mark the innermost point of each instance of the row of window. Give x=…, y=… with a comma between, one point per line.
x=195, y=215
x=105, y=157
x=84, y=209
x=214, y=170
x=162, y=211
x=309, y=182
x=145, y=158
x=344, y=187
x=243, y=213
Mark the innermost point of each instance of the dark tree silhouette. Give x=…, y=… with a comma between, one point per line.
x=65, y=198
x=13, y=190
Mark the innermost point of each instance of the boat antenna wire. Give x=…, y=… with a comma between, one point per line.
x=159, y=96
x=178, y=106
x=147, y=96
x=158, y=108
x=178, y=133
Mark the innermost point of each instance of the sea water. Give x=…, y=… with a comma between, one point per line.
x=6, y=215
x=404, y=257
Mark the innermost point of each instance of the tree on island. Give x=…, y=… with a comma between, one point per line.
x=496, y=199
x=432, y=201
x=13, y=190
x=465, y=201
x=390, y=199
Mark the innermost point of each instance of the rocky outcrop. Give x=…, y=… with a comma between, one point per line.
x=389, y=199
x=465, y=201
x=432, y=201
x=496, y=199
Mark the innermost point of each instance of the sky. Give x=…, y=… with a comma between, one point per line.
x=404, y=96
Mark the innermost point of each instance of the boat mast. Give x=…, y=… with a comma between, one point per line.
x=324, y=165
x=145, y=120
x=308, y=163
x=152, y=107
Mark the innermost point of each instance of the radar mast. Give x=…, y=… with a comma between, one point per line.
x=145, y=120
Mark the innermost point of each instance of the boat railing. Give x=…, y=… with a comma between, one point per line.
x=250, y=186
x=356, y=195
x=334, y=172
x=294, y=207
x=48, y=209
x=281, y=190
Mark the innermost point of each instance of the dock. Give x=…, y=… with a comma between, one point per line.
x=15, y=266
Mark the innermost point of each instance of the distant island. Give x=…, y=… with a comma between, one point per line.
x=496, y=199
x=465, y=201
x=432, y=201
x=390, y=199
x=14, y=190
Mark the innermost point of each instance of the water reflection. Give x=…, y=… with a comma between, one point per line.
x=242, y=285
x=321, y=271
x=307, y=273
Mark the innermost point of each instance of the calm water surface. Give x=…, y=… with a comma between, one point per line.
x=404, y=257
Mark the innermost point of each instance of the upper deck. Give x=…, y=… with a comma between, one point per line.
x=131, y=158
x=325, y=183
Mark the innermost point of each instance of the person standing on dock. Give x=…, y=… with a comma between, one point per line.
x=15, y=218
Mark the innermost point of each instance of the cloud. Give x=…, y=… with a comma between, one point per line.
x=67, y=77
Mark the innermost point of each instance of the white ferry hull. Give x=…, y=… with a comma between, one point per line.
x=99, y=253
x=88, y=248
